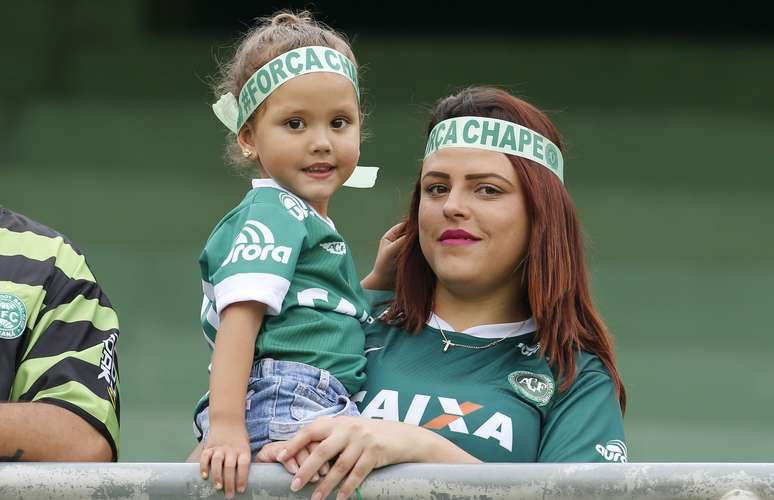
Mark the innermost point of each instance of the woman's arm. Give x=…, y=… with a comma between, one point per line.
x=361, y=445
x=382, y=276
x=227, y=451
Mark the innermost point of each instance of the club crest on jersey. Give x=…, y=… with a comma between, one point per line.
x=613, y=451
x=535, y=387
x=335, y=247
x=256, y=241
x=13, y=316
x=296, y=207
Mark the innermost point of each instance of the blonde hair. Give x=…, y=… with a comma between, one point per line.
x=270, y=37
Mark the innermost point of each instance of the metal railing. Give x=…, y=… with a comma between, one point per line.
x=646, y=481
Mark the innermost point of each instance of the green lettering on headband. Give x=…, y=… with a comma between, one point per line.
x=496, y=135
x=234, y=113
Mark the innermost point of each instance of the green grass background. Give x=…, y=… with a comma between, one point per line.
x=670, y=164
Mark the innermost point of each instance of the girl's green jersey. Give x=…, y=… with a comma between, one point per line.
x=276, y=249
x=500, y=404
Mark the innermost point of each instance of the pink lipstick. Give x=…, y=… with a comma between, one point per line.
x=457, y=237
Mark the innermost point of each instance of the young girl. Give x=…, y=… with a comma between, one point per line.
x=275, y=263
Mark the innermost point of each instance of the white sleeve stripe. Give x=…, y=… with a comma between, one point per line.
x=210, y=342
x=208, y=290
x=212, y=318
x=268, y=289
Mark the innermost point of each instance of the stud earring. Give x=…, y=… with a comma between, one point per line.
x=247, y=153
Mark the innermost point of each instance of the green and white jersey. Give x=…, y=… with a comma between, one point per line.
x=276, y=249
x=501, y=403
x=58, y=330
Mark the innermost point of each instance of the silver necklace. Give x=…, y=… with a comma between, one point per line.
x=448, y=343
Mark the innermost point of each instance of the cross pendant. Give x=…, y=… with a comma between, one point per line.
x=446, y=345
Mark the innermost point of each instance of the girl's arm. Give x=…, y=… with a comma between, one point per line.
x=227, y=450
x=361, y=445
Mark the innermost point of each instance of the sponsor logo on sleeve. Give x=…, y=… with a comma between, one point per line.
x=108, y=366
x=296, y=207
x=335, y=247
x=256, y=242
x=13, y=316
x=613, y=451
x=534, y=387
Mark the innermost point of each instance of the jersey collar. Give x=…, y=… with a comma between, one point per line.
x=259, y=183
x=493, y=331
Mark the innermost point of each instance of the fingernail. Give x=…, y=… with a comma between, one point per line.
x=294, y=468
x=218, y=486
x=295, y=485
x=316, y=477
x=281, y=454
x=317, y=496
x=205, y=475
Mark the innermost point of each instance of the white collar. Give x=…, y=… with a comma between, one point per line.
x=493, y=331
x=269, y=182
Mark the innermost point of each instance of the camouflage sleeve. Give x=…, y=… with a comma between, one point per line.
x=69, y=358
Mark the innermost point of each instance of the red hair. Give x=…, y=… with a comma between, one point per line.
x=555, y=275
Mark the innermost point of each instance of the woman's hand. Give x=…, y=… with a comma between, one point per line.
x=362, y=445
x=270, y=452
x=382, y=276
x=227, y=456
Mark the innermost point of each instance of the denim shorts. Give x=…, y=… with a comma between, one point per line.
x=282, y=397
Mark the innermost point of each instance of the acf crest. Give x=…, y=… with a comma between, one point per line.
x=534, y=387
x=13, y=316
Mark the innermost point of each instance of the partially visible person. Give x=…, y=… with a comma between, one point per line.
x=490, y=348
x=58, y=362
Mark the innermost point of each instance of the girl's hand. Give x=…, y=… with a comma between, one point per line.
x=382, y=276
x=227, y=456
x=361, y=445
x=270, y=451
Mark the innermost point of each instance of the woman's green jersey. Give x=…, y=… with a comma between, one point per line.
x=500, y=404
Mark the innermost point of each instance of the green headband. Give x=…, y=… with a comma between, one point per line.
x=279, y=70
x=496, y=135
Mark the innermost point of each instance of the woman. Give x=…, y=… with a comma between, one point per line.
x=490, y=349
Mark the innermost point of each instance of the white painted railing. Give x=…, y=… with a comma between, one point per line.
x=157, y=481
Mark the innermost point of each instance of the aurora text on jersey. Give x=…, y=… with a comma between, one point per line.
x=58, y=330
x=500, y=404
x=275, y=249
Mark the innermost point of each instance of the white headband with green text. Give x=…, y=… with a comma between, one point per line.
x=274, y=73
x=496, y=135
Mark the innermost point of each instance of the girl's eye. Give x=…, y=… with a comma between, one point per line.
x=295, y=124
x=436, y=189
x=339, y=122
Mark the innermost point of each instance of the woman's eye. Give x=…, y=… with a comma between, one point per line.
x=436, y=189
x=489, y=190
x=339, y=123
x=295, y=124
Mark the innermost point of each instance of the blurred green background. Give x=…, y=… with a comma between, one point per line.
x=107, y=136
